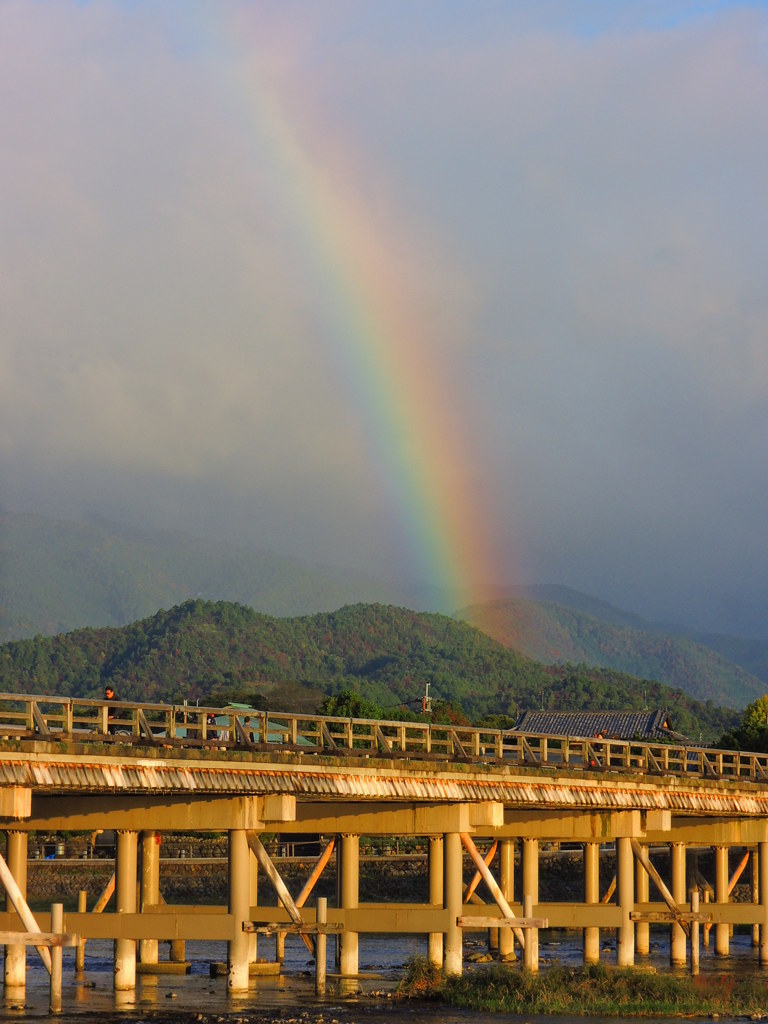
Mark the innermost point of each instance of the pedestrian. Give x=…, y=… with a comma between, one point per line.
x=111, y=696
x=211, y=732
x=593, y=763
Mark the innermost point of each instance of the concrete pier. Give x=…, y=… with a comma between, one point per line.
x=15, y=973
x=591, y=935
x=238, y=946
x=625, y=898
x=126, y=861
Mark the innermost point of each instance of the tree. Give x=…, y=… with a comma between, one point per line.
x=348, y=704
x=752, y=733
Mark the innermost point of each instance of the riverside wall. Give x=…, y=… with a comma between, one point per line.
x=186, y=879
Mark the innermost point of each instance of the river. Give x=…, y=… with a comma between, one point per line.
x=199, y=997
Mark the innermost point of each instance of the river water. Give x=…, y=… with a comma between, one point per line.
x=90, y=998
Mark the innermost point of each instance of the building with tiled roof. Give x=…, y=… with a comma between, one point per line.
x=613, y=725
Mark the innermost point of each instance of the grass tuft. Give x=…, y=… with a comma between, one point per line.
x=592, y=990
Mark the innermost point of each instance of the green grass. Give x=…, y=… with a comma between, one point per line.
x=593, y=990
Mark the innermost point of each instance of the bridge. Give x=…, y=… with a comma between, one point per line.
x=479, y=797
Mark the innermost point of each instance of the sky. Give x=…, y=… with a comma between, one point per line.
x=462, y=293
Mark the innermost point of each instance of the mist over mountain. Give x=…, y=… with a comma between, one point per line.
x=572, y=628
x=57, y=575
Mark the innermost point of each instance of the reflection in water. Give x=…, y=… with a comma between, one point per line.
x=381, y=962
x=14, y=998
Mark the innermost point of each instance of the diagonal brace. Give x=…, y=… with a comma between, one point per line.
x=491, y=882
x=22, y=909
x=642, y=857
x=269, y=869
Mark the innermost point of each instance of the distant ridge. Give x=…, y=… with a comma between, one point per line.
x=218, y=651
x=58, y=575
x=554, y=633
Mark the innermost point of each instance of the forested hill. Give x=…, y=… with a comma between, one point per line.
x=204, y=650
x=556, y=634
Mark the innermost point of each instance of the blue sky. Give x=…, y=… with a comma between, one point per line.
x=568, y=197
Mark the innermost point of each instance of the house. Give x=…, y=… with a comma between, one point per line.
x=610, y=725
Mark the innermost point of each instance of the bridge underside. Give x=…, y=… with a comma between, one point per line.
x=460, y=809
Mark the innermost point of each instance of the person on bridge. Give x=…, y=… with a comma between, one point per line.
x=211, y=732
x=110, y=695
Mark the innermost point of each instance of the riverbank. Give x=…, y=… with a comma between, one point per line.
x=594, y=991
x=203, y=879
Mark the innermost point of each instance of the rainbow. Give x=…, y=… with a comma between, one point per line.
x=412, y=424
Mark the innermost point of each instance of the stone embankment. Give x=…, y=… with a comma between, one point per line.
x=198, y=874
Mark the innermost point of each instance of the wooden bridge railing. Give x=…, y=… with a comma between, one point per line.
x=73, y=720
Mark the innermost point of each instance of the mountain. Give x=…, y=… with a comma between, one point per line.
x=210, y=651
x=58, y=575
x=752, y=655
x=605, y=636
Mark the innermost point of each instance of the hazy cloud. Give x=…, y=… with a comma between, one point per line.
x=567, y=202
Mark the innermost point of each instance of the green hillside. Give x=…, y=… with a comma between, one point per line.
x=209, y=651
x=57, y=575
x=555, y=634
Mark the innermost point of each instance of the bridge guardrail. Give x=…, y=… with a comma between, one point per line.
x=25, y=716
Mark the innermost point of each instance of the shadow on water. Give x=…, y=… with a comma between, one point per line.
x=198, y=996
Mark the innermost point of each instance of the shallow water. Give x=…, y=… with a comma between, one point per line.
x=91, y=997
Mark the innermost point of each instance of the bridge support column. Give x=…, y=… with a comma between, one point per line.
x=625, y=897
x=507, y=885
x=239, y=894
x=350, y=887
x=642, y=895
x=762, y=874
x=530, y=864
x=435, y=941
x=453, y=900
x=253, y=901
x=722, y=931
x=754, y=878
x=591, y=936
x=677, y=940
x=150, y=888
x=125, y=895
x=16, y=955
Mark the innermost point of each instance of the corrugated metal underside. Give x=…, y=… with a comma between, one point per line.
x=73, y=776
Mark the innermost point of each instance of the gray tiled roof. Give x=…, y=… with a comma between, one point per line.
x=620, y=725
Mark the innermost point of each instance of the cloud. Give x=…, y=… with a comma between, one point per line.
x=567, y=202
